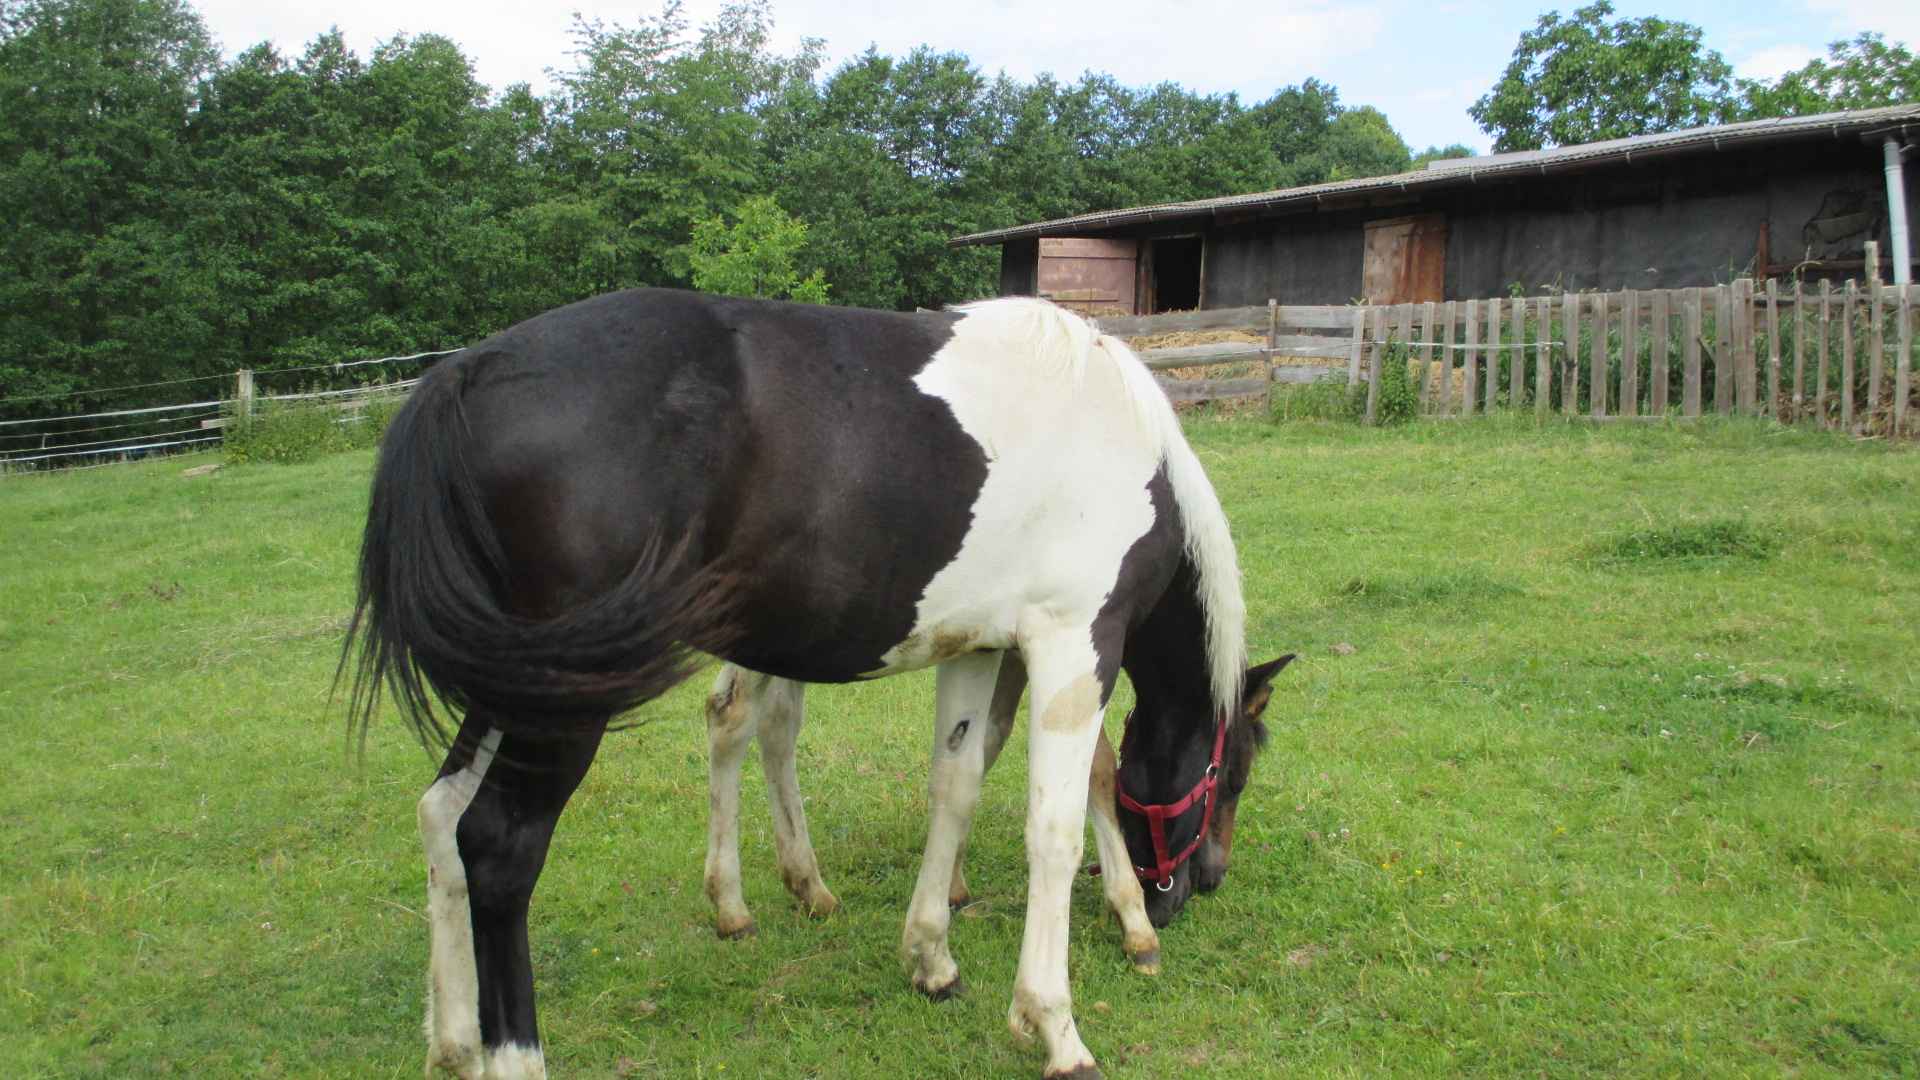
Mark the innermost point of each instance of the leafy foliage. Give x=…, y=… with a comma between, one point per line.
x=1863, y=73
x=1587, y=78
x=171, y=215
x=754, y=256
x=1398, y=401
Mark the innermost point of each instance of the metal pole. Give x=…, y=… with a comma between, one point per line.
x=1897, y=214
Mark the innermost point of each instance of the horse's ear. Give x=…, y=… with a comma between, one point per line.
x=1260, y=686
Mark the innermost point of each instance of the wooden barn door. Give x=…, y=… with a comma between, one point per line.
x=1091, y=276
x=1406, y=260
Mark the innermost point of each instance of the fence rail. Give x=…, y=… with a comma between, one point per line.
x=1838, y=356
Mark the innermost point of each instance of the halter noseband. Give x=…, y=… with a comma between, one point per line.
x=1157, y=815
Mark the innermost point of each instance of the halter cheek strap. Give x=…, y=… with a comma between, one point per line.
x=1158, y=814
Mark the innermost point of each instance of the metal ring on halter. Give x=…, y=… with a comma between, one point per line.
x=1165, y=884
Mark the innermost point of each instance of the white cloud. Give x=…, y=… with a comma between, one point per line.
x=1898, y=19
x=1771, y=63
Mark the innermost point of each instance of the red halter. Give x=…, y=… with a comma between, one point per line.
x=1161, y=873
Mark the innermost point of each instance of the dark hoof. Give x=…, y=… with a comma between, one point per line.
x=945, y=993
x=737, y=933
x=1146, y=962
x=955, y=903
x=1084, y=1072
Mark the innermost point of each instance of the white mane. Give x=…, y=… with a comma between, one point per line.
x=1069, y=347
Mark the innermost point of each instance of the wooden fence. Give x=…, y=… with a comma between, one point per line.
x=1838, y=355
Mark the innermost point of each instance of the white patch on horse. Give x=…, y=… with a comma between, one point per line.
x=453, y=980
x=515, y=1062
x=1065, y=496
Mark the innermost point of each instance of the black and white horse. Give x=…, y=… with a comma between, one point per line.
x=564, y=513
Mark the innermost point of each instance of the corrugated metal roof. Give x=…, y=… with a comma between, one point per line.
x=1466, y=171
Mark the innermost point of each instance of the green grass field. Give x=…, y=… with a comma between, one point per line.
x=1601, y=759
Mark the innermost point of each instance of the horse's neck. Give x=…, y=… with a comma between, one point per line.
x=1166, y=655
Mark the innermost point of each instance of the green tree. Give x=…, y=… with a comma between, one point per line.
x=1589, y=78
x=95, y=96
x=754, y=256
x=1442, y=153
x=1864, y=73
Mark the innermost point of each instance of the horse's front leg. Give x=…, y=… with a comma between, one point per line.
x=964, y=693
x=1129, y=903
x=1069, y=698
x=486, y=824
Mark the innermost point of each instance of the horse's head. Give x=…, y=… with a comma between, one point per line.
x=1178, y=789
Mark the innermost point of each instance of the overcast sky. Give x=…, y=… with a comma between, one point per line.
x=1420, y=63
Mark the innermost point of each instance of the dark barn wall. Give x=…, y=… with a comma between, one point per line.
x=1302, y=260
x=1668, y=222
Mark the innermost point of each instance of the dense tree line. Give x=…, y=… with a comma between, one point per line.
x=170, y=215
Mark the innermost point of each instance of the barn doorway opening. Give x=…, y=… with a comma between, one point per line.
x=1174, y=277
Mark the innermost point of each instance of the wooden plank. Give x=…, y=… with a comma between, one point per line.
x=1296, y=374
x=1570, y=360
x=1725, y=368
x=1902, y=379
x=1516, y=357
x=1493, y=353
x=1847, y=307
x=1220, y=352
x=1629, y=355
x=1876, y=345
x=1770, y=405
x=1469, y=398
x=1799, y=354
x=1744, y=348
x=1660, y=344
x=1358, y=345
x=1826, y=312
x=1597, y=377
x=1448, y=312
x=1373, y=366
x=1266, y=370
x=1185, y=390
x=1239, y=318
x=1429, y=331
x=1543, y=359
x=1317, y=316
x=1690, y=378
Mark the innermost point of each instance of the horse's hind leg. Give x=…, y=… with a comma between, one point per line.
x=964, y=693
x=732, y=717
x=486, y=824
x=782, y=710
x=1007, y=688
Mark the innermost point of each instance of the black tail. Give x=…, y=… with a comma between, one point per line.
x=430, y=622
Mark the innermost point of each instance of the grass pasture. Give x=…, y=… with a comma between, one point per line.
x=1602, y=758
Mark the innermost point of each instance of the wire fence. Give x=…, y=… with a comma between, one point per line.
x=113, y=436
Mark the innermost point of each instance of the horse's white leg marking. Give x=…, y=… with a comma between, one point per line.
x=1116, y=867
x=515, y=1062
x=781, y=706
x=964, y=694
x=730, y=725
x=1065, y=724
x=453, y=981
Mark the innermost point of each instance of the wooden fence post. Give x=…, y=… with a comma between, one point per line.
x=1517, y=356
x=1826, y=319
x=1747, y=387
x=1725, y=366
x=1472, y=383
x=243, y=393
x=1373, y=368
x=1493, y=353
x=1266, y=368
x=1543, y=359
x=1359, y=346
x=1659, y=345
x=1846, y=355
x=1876, y=340
x=1630, y=353
x=1570, y=359
x=1902, y=385
x=1690, y=353
x=1800, y=325
x=1448, y=313
x=1771, y=406
x=1597, y=376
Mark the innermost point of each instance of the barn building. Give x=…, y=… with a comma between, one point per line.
x=1684, y=208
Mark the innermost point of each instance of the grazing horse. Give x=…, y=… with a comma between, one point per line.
x=564, y=513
